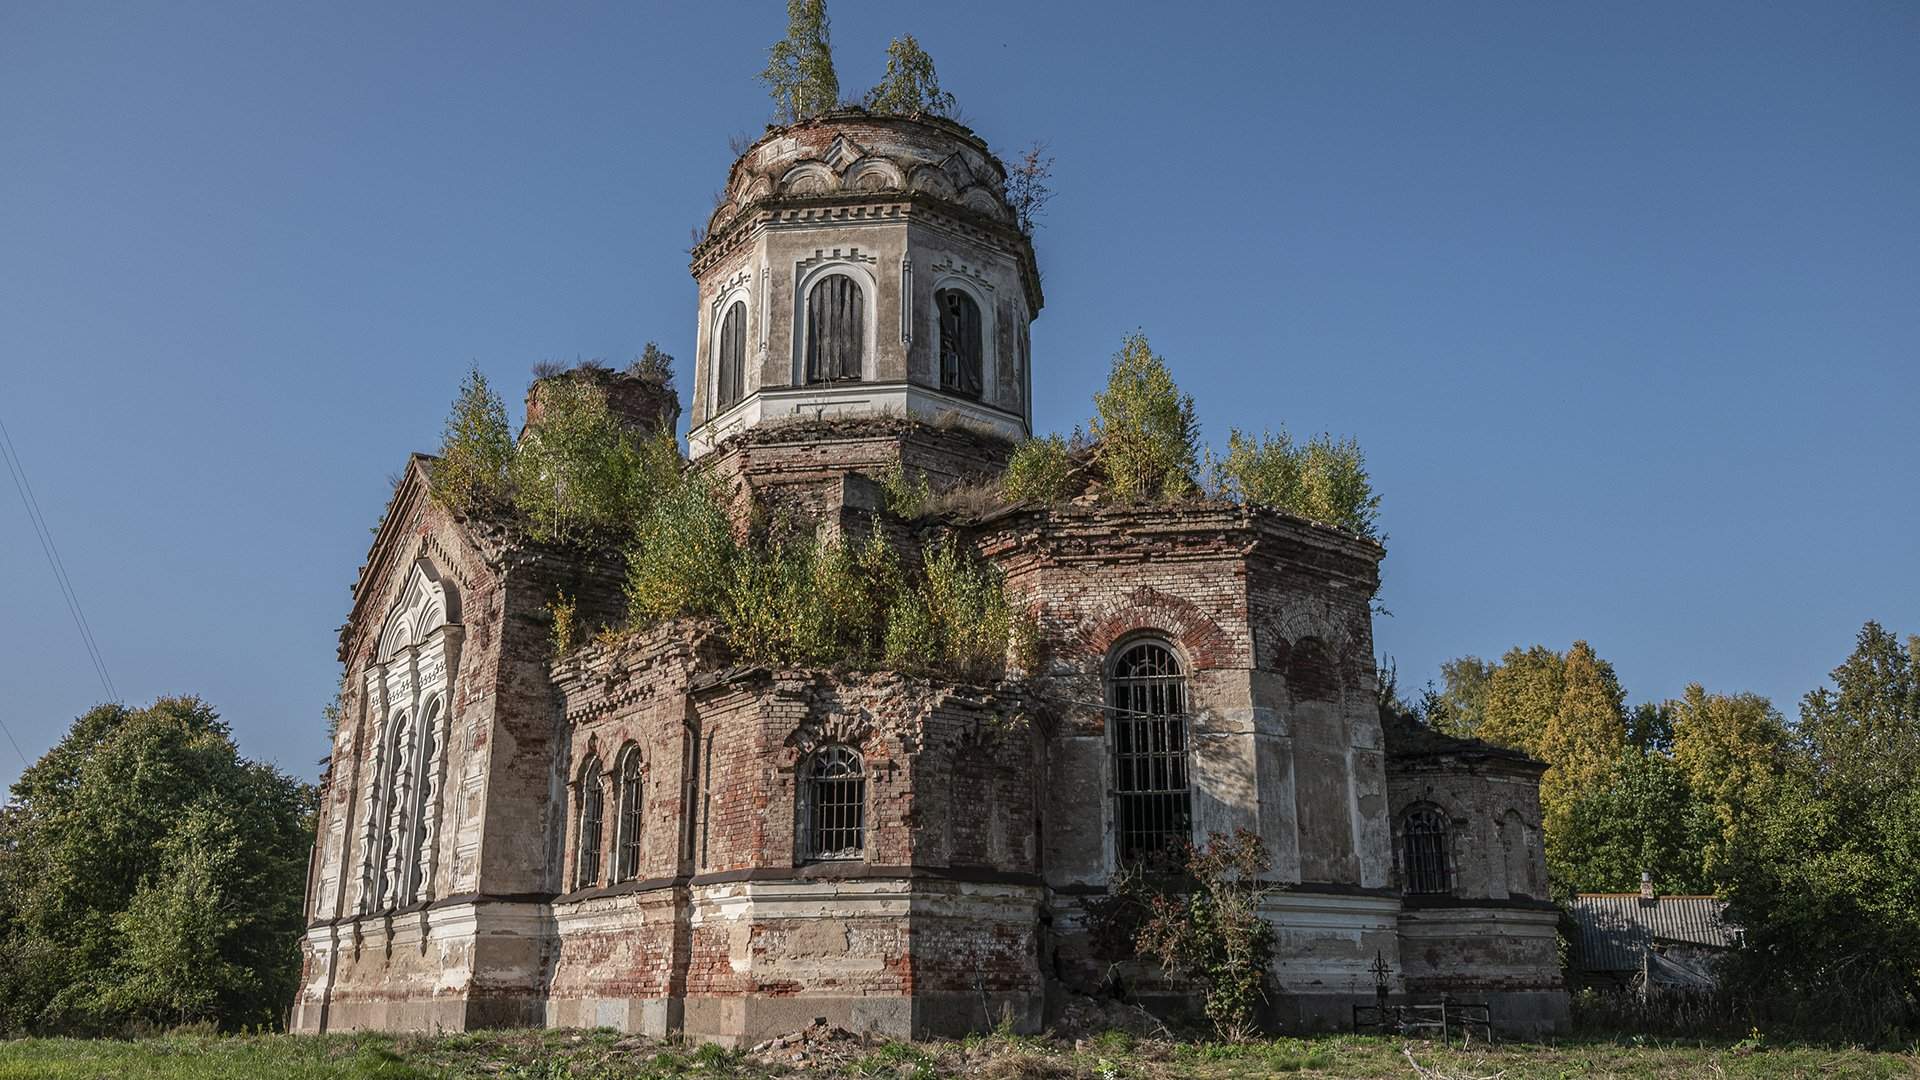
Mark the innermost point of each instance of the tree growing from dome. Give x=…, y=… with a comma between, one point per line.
x=799, y=72
x=910, y=87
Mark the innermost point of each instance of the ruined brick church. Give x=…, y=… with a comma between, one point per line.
x=645, y=834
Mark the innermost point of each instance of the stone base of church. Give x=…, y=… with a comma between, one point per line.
x=1501, y=952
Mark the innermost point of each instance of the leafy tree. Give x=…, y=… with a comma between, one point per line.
x=1584, y=736
x=1825, y=882
x=1522, y=693
x=654, y=364
x=1642, y=817
x=1459, y=707
x=1731, y=750
x=150, y=875
x=799, y=71
x=682, y=554
x=909, y=87
x=1146, y=436
x=476, y=448
x=1324, y=480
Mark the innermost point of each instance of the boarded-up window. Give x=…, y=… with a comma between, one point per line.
x=1424, y=848
x=1147, y=696
x=960, y=345
x=733, y=354
x=835, y=330
x=833, y=805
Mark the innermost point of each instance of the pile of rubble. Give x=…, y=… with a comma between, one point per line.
x=816, y=1045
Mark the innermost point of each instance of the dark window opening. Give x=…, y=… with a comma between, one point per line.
x=592, y=807
x=733, y=354
x=631, y=792
x=960, y=344
x=1147, y=693
x=1425, y=850
x=834, y=805
x=835, y=330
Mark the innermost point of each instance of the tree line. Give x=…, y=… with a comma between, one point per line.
x=1808, y=828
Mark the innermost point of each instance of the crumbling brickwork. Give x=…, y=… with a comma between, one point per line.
x=643, y=834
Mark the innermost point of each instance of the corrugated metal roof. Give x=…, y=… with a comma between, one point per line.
x=1615, y=928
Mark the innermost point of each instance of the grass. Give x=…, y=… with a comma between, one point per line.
x=604, y=1055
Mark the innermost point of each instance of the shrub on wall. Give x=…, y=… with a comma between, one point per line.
x=580, y=473
x=1040, y=471
x=1323, y=480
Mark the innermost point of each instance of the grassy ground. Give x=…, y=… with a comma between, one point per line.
x=605, y=1056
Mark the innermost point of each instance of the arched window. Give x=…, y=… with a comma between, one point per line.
x=836, y=328
x=1424, y=849
x=733, y=354
x=628, y=841
x=833, y=805
x=1147, y=693
x=592, y=815
x=426, y=795
x=401, y=781
x=960, y=346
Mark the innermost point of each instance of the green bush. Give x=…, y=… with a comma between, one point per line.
x=682, y=555
x=1206, y=926
x=907, y=492
x=1146, y=437
x=1040, y=471
x=476, y=448
x=955, y=618
x=1324, y=480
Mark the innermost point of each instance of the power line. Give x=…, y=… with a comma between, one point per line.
x=18, y=470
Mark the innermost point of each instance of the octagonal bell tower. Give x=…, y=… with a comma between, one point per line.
x=864, y=265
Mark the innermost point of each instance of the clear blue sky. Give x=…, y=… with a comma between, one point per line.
x=1622, y=300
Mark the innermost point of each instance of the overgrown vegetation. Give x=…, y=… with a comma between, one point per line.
x=579, y=473
x=1029, y=185
x=1039, y=471
x=1204, y=925
x=910, y=87
x=150, y=877
x=799, y=73
x=1324, y=479
x=1146, y=439
x=476, y=449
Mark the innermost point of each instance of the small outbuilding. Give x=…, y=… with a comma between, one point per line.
x=1630, y=941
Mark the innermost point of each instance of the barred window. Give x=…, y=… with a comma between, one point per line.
x=836, y=330
x=1424, y=846
x=628, y=842
x=960, y=347
x=1147, y=692
x=733, y=354
x=592, y=806
x=833, y=805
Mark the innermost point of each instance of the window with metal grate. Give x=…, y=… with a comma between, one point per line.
x=1424, y=851
x=1147, y=697
x=833, y=810
x=592, y=815
x=631, y=793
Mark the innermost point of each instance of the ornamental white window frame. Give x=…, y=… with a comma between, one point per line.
x=408, y=688
x=809, y=273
